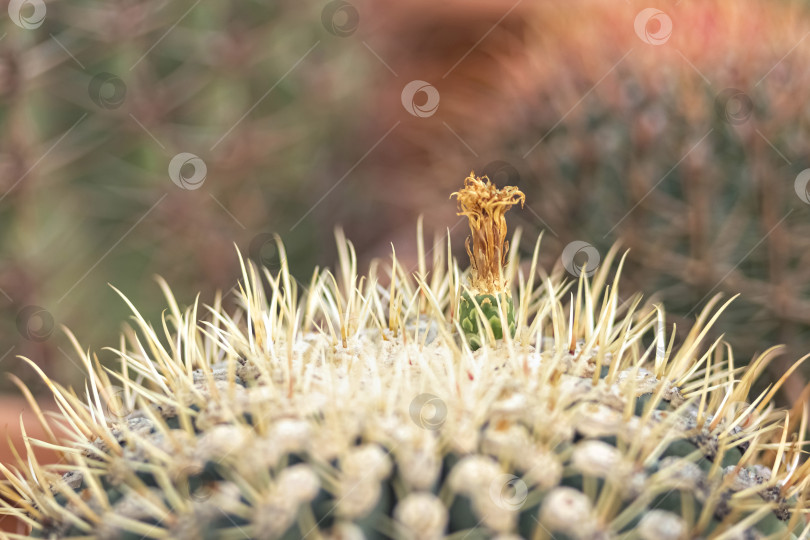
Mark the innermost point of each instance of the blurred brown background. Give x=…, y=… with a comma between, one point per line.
x=149, y=137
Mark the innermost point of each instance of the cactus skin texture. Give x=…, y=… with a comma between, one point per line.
x=468, y=316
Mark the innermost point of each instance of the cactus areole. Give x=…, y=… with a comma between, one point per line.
x=339, y=409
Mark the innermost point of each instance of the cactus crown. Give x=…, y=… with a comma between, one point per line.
x=485, y=206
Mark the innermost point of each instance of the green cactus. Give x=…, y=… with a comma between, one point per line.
x=348, y=411
x=488, y=303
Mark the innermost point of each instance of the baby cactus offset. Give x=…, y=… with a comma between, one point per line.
x=340, y=408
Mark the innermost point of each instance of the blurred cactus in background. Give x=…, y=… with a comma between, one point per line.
x=683, y=131
x=148, y=136
x=686, y=146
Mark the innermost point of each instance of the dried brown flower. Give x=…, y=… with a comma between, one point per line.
x=485, y=206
